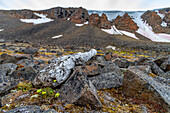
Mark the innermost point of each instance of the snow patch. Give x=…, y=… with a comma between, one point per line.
x=41, y=20
x=113, y=30
x=1, y=29
x=79, y=25
x=111, y=47
x=129, y=34
x=146, y=30
x=163, y=24
x=161, y=15
x=58, y=36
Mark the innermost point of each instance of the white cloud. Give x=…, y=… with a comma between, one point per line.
x=88, y=4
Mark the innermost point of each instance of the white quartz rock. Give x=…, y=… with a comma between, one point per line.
x=60, y=68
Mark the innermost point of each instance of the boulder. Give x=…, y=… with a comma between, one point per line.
x=122, y=63
x=155, y=68
x=79, y=90
x=167, y=75
x=25, y=73
x=141, y=86
x=106, y=80
x=60, y=68
x=125, y=23
x=104, y=75
x=6, y=81
x=166, y=65
x=29, y=50
x=30, y=109
x=5, y=58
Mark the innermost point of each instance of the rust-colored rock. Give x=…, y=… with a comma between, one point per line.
x=94, y=19
x=155, y=21
x=125, y=23
x=101, y=22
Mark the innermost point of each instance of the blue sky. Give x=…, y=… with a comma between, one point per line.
x=127, y=5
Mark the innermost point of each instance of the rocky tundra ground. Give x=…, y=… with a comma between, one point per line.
x=52, y=79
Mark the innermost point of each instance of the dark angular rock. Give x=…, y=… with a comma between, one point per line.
x=101, y=22
x=138, y=84
x=26, y=73
x=6, y=81
x=155, y=68
x=29, y=50
x=106, y=80
x=30, y=109
x=166, y=65
x=5, y=58
x=79, y=90
x=104, y=75
x=122, y=63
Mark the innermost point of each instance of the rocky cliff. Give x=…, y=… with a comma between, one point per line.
x=125, y=23
x=154, y=20
x=101, y=22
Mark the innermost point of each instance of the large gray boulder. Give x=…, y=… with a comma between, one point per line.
x=60, y=68
x=138, y=84
x=6, y=81
x=79, y=90
x=109, y=75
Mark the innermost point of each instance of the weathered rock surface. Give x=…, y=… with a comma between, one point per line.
x=137, y=83
x=30, y=109
x=5, y=58
x=60, y=68
x=155, y=21
x=154, y=67
x=79, y=90
x=104, y=75
x=167, y=18
x=29, y=50
x=101, y=22
x=25, y=73
x=122, y=63
x=106, y=80
x=6, y=81
x=166, y=65
x=125, y=23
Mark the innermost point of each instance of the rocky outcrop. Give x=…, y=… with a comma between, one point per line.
x=76, y=15
x=22, y=14
x=167, y=18
x=125, y=23
x=60, y=69
x=101, y=22
x=155, y=21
